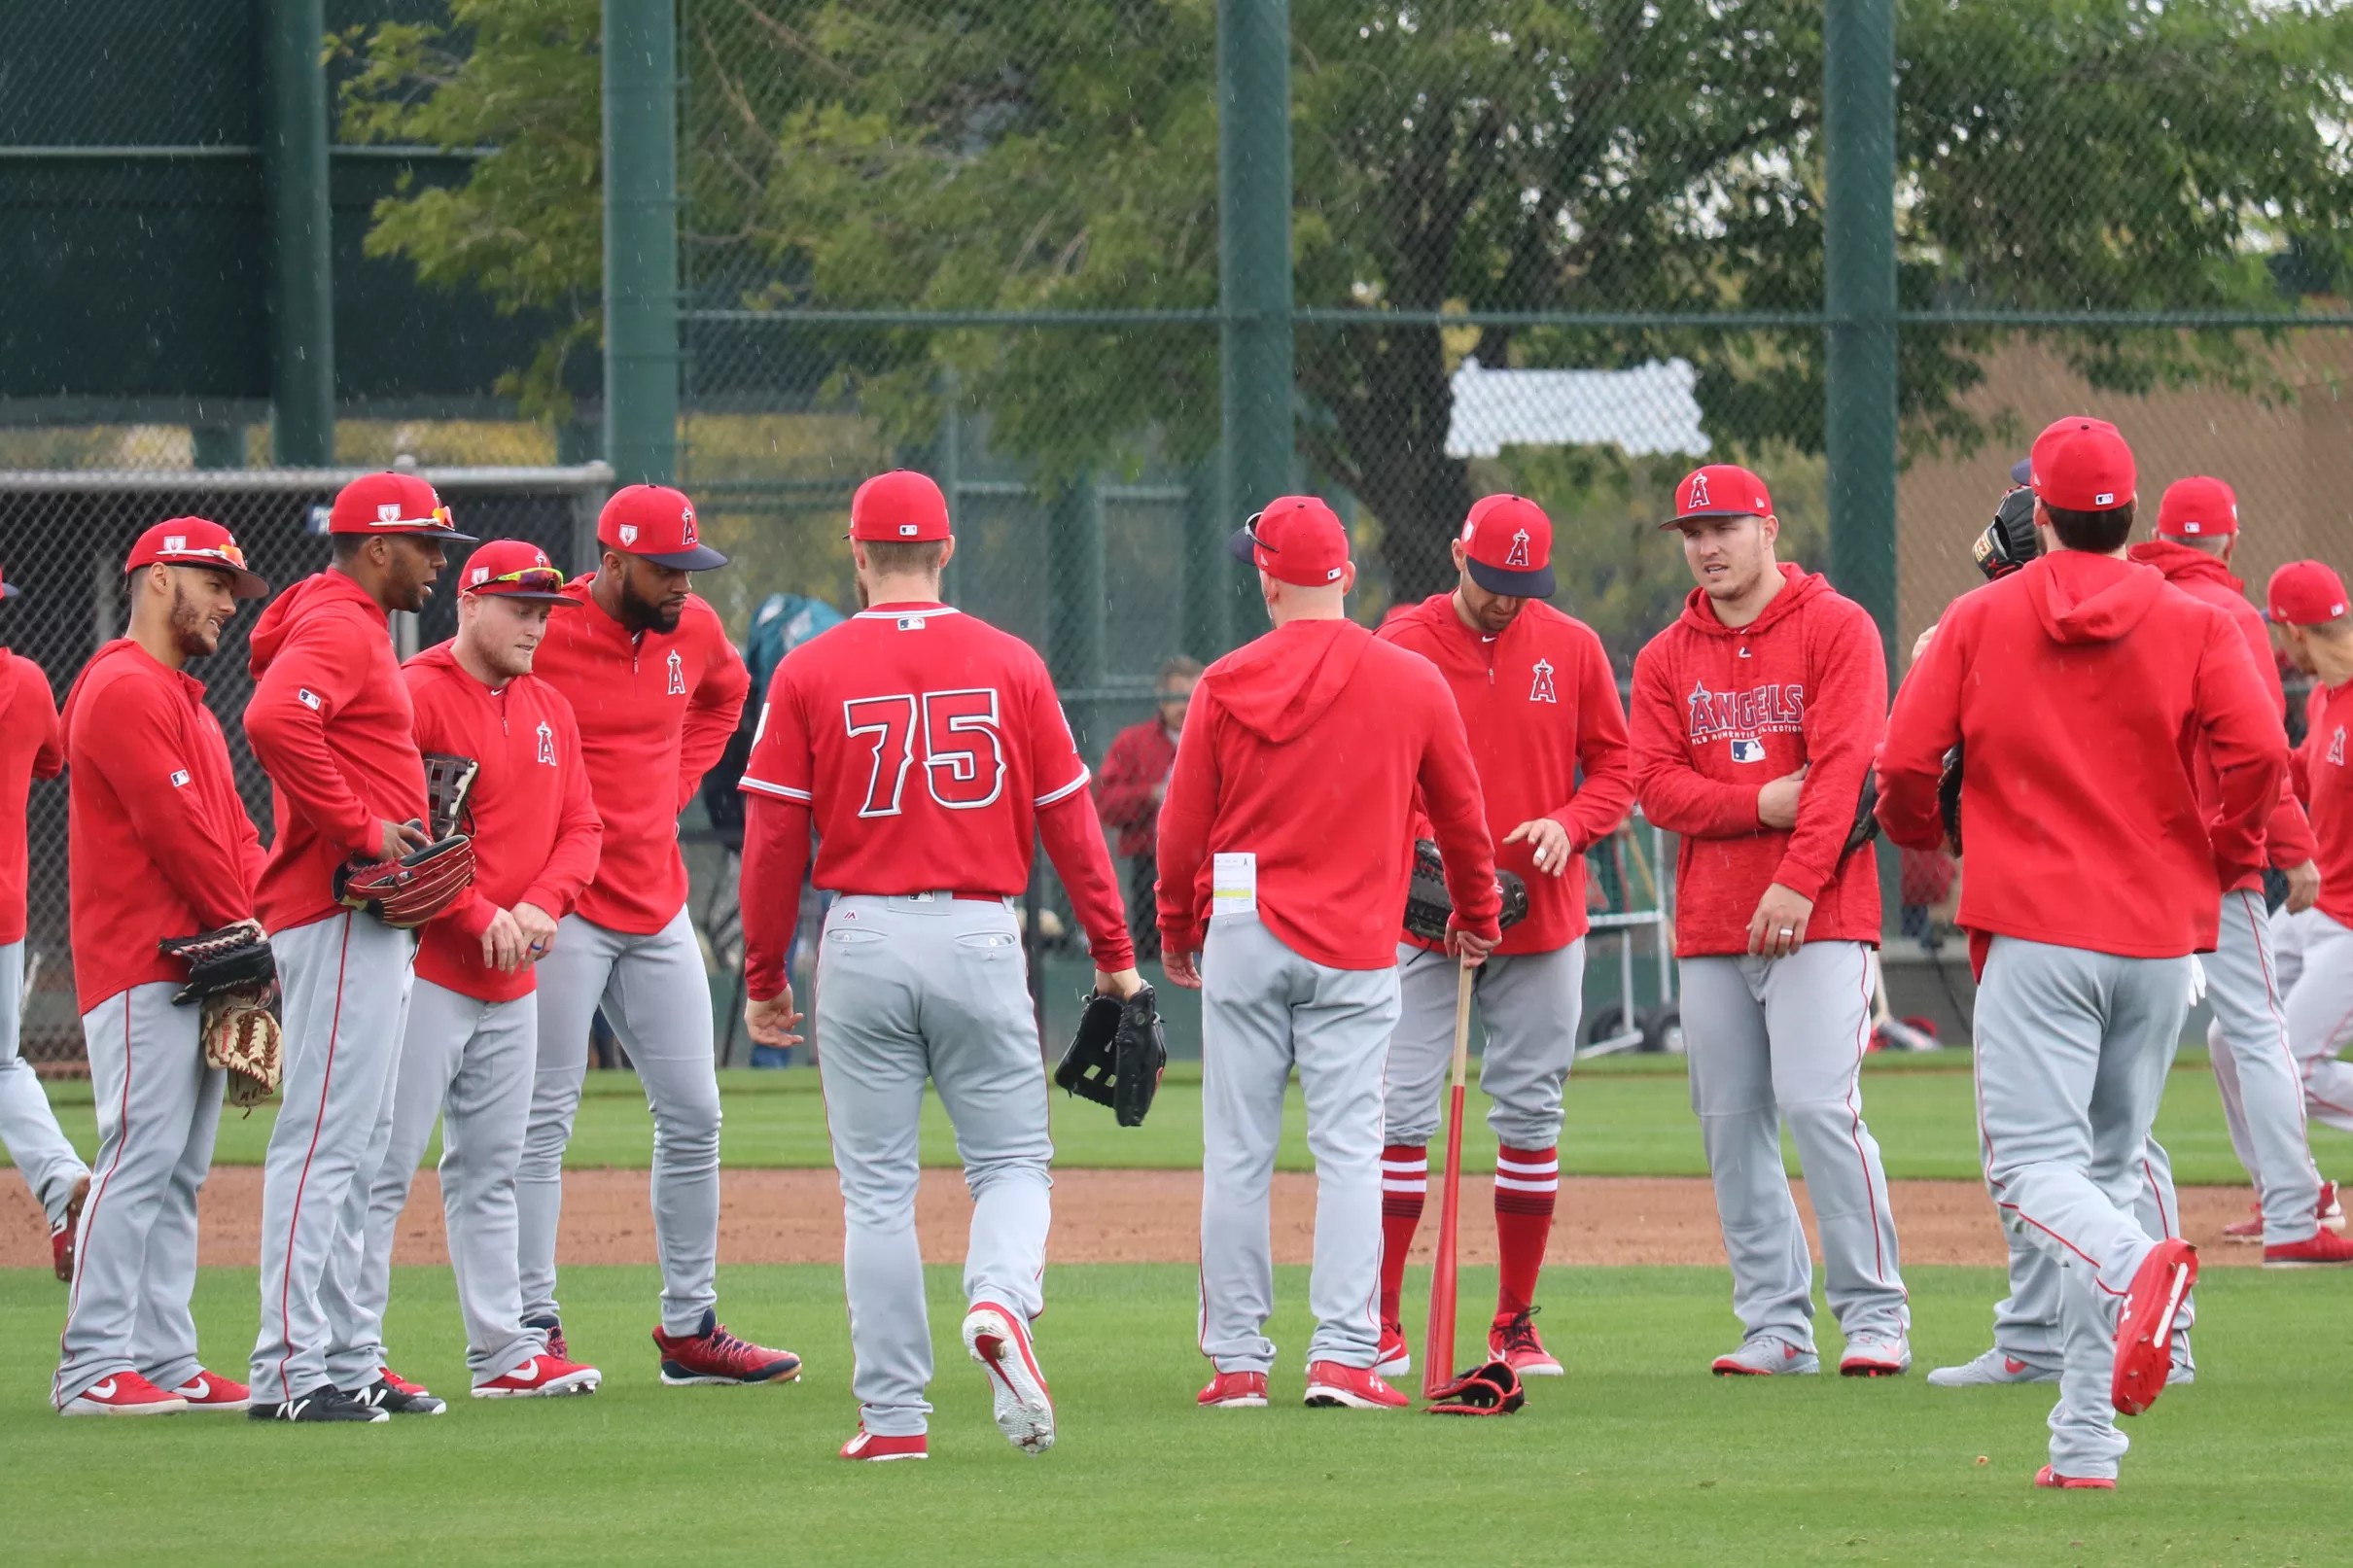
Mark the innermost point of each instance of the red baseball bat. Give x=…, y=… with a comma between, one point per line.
x=1438, y=1349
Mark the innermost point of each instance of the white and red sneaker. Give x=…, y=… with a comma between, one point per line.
x=2054, y=1482
x=877, y=1450
x=712, y=1355
x=1395, y=1358
x=210, y=1391
x=2250, y=1231
x=543, y=1376
x=1513, y=1340
x=1234, y=1392
x=123, y=1393
x=1333, y=1387
x=2332, y=1215
x=996, y=1338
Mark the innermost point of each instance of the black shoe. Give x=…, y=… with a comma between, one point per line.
x=382, y=1397
x=325, y=1403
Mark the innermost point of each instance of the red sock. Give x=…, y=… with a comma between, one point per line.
x=1404, y=1183
x=1527, y=1181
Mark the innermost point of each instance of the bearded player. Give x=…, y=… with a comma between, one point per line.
x=656, y=688
x=2309, y=603
x=930, y=751
x=1548, y=735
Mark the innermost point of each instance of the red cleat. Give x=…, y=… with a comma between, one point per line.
x=2249, y=1230
x=1234, y=1392
x=2144, y=1331
x=2318, y=1251
x=123, y=1393
x=543, y=1376
x=210, y=1391
x=876, y=1451
x=1513, y=1340
x=2053, y=1480
x=712, y=1355
x=1333, y=1387
x=1395, y=1358
x=996, y=1337
x=2332, y=1213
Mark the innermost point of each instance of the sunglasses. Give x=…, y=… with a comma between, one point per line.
x=1249, y=526
x=530, y=579
x=226, y=553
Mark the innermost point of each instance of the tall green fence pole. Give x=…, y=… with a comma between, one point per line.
x=641, y=240
x=301, y=287
x=1254, y=252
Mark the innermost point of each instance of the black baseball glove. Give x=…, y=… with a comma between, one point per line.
x=2010, y=540
x=1866, y=817
x=234, y=957
x=1949, y=798
x=1117, y=1056
x=1490, y=1390
x=1428, y=903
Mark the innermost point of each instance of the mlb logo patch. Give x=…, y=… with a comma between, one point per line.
x=307, y=698
x=910, y=623
x=909, y=530
x=179, y=779
x=1747, y=750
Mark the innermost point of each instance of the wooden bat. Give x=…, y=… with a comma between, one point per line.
x=1438, y=1349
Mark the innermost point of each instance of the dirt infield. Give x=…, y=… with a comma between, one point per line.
x=1121, y=1216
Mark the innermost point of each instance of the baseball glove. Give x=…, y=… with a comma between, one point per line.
x=241, y=1037
x=1117, y=1056
x=1949, y=798
x=1865, y=817
x=1427, y=904
x=233, y=958
x=2010, y=540
x=1490, y=1390
x=408, y=892
x=448, y=784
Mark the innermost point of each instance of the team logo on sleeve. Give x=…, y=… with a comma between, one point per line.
x=678, y=676
x=307, y=698
x=1741, y=717
x=546, y=744
x=1541, y=688
x=2336, y=746
x=179, y=776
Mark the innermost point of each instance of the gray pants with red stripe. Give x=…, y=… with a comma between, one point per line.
x=346, y=981
x=2026, y=1321
x=159, y=1106
x=1776, y=1041
x=2320, y=1021
x=2256, y=1068
x=28, y=1128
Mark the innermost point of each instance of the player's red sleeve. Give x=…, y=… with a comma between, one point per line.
x=1056, y=769
x=1845, y=714
x=1185, y=816
x=782, y=760
x=141, y=751
x=1606, y=791
x=2249, y=748
x=580, y=834
x=1675, y=795
x=1123, y=787
x=1073, y=842
x=776, y=861
x=1925, y=724
x=49, y=752
x=713, y=711
x=1449, y=783
x=289, y=734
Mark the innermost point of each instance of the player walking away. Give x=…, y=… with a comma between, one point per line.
x=1285, y=855
x=31, y=746
x=332, y=725
x=159, y=847
x=1134, y=781
x=1537, y=698
x=930, y=751
x=656, y=688
x=1753, y=720
x=2092, y=858
x=471, y=1044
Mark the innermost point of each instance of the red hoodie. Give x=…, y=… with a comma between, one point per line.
x=329, y=722
x=158, y=841
x=1539, y=702
x=1141, y=758
x=2287, y=835
x=1721, y=711
x=30, y=747
x=655, y=711
x=1304, y=749
x=534, y=824
x=2328, y=712
x=2085, y=691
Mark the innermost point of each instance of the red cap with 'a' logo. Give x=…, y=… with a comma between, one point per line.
x=2197, y=507
x=2304, y=593
x=1720, y=490
x=1296, y=539
x=655, y=523
x=1507, y=547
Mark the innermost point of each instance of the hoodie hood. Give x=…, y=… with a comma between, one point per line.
x=320, y=591
x=1799, y=585
x=438, y=658
x=2082, y=597
x=2182, y=563
x=1281, y=683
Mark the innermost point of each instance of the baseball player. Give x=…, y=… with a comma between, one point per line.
x=657, y=689
x=1133, y=780
x=1285, y=855
x=31, y=746
x=472, y=1042
x=1548, y=735
x=930, y=751
x=1753, y=720
x=2092, y=854
x=330, y=723
x=159, y=847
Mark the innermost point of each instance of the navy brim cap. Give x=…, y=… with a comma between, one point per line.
x=1536, y=583
x=702, y=558
x=1242, y=547
x=1704, y=512
x=447, y=536
x=8, y=590
x=2023, y=471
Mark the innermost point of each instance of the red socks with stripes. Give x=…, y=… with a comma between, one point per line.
x=1404, y=1184
x=1527, y=1183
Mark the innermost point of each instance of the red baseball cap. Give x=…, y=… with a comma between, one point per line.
x=2304, y=593
x=1296, y=539
x=513, y=568
x=655, y=523
x=1507, y=546
x=1720, y=490
x=901, y=506
x=2081, y=464
x=392, y=503
x=197, y=541
x=2197, y=507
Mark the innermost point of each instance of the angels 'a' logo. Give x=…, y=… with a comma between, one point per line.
x=1540, y=689
x=678, y=676
x=1699, y=492
x=687, y=522
x=546, y=744
x=2336, y=746
x=1518, y=555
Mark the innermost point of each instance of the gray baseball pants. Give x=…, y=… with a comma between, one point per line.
x=2026, y=1321
x=159, y=1106
x=1776, y=1041
x=1265, y=1009
x=1528, y=1004
x=2256, y=1071
x=2320, y=1021
x=36, y=1147
x=910, y=987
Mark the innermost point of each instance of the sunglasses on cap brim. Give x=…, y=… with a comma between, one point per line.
x=526, y=582
x=438, y=524
x=244, y=581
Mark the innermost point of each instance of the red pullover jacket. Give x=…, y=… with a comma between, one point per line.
x=533, y=820
x=1139, y=757
x=1719, y=714
x=654, y=712
x=30, y=747
x=1538, y=702
x=2287, y=835
x=157, y=840
x=330, y=723
x=2086, y=691
x=2328, y=712
x=1304, y=749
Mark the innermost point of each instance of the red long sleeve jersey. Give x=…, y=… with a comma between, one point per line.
x=1539, y=703
x=1721, y=711
x=329, y=722
x=31, y=746
x=2327, y=715
x=654, y=710
x=1305, y=749
x=932, y=752
x=2085, y=691
x=533, y=819
x=157, y=840
x=1141, y=756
